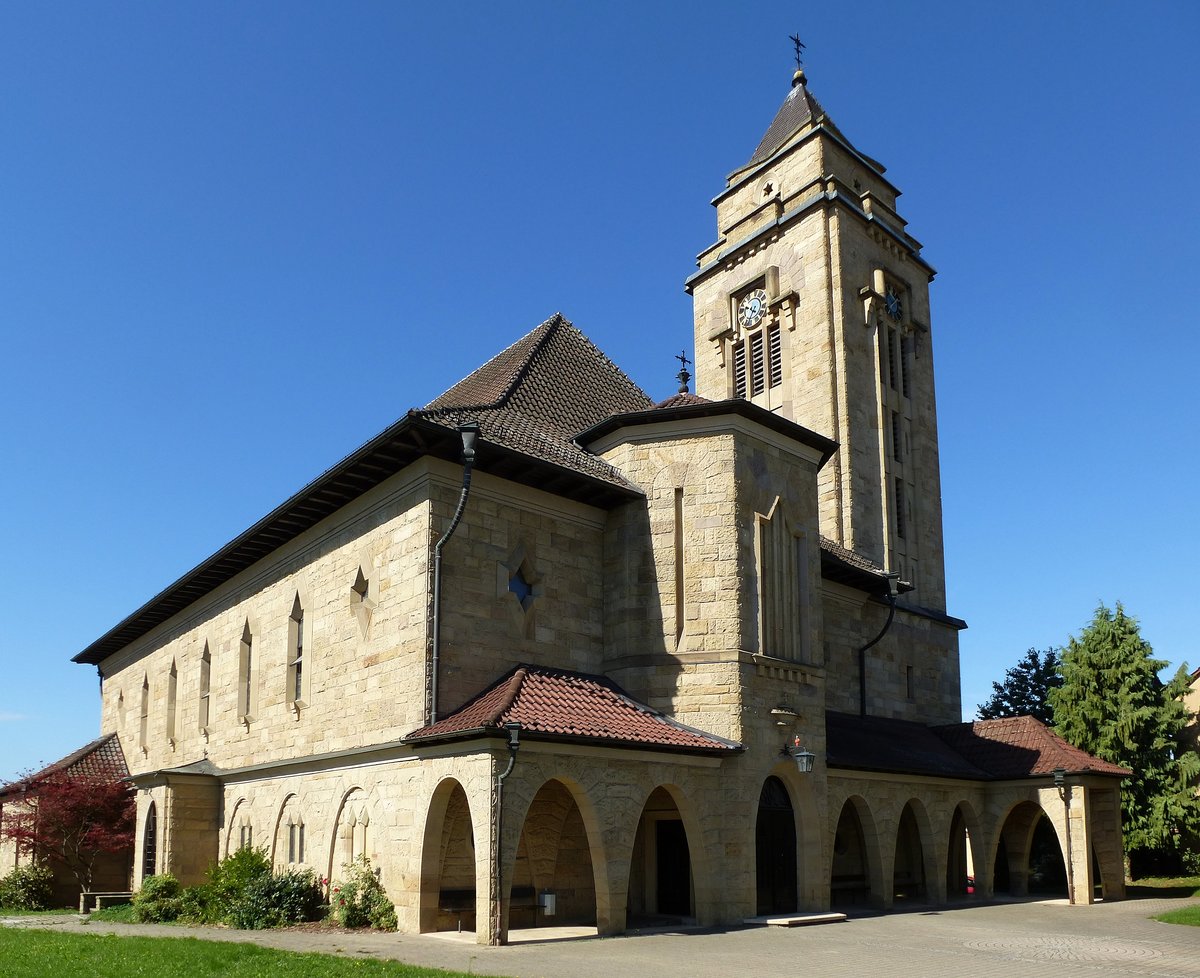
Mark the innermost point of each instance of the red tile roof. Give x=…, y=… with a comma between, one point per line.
x=682, y=399
x=101, y=760
x=1017, y=747
x=538, y=394
x=556, y=704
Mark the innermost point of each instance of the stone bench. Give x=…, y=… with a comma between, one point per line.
x=99, y=900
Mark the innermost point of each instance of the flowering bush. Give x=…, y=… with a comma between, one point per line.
x=359, y=900
x=27, y=888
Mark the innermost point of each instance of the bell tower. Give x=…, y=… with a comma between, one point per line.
x=814, y=302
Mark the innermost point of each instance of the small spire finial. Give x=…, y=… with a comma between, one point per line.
x=683, y=376
x=798, y=78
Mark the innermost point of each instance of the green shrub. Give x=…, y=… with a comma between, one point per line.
x=360, y=899
x=216, y=901
x=159, y=901
x=27, y=888
x=275, y=901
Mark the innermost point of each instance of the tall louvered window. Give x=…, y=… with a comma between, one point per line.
x=739, y=370
x=757, y=362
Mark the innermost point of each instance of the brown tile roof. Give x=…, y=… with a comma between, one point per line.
x=985, y=750
x=538, y=394
x=101, y=760
x=1018, y=747
x=682, y=399
x=555, y=704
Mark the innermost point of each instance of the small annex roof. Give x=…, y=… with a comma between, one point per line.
x=984, y=750
x=560, y=705
x=1019, y=747
x=688, y=407
x=897, y=746
x=101, y=760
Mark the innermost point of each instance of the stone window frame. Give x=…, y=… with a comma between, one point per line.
x=144, y=715
x=299, y=651
x=364, y=593
x=241, y=827
x=204, y=695
x=781, y=559
x=288, y=843
x=249, y=667
x=171, y=724
x=521, y=612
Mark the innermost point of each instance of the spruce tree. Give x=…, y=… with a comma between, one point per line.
x=1025, y=688
x=1113, y=705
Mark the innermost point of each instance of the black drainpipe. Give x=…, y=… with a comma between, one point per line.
x=893, y=581
x=469, y=433
x=496, y=896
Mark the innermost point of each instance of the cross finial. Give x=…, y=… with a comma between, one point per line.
x=800, y=46
x=683, y=376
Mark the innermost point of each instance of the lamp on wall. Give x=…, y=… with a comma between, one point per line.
x=1060, y=777
x=804, y=758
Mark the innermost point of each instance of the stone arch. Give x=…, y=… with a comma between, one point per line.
x=965, y=872
x=289, y=845
x=240, y=830
x=150, y=842
x=667, y=841
x=914, y=868
x=1028, y=852
x=856, y=875
x=448, y=897
x=559, y=850
x=776, y=852
x=352, y=835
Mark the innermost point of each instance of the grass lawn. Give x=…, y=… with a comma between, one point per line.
x=37, y=953
x=1159, y=886
x=1184, y=915
x=5, y=912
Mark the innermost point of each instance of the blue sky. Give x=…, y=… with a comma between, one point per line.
x=238, y=239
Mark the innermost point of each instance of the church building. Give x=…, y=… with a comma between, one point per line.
x=548, y=652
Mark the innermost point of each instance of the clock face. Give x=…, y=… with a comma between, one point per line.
x=894, y=307
x=752, y=308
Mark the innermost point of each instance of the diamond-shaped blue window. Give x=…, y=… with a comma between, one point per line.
x=520, y=586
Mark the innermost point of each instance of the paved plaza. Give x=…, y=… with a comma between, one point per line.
x=1047, y=939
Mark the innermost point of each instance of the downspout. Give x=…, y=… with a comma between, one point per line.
x=469, y=433
x=1064, y=792
x=497, y=934
x=893, y=580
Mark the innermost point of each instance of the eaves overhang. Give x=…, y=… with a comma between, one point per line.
x=713, y=409
x=412, y=437
x=499, y=737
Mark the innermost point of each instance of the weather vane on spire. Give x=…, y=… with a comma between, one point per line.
x=683, y=376
x=800, y=46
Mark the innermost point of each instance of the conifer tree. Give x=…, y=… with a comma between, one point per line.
x=1025, y=688
x=1113, y=705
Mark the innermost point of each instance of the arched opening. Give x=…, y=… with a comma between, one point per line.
x=150, y=843
x=660, y=875
x=1029, y=859
x=908, y=875
x=775, y=849
x=553, y=882
x=960, y=865
x=850, y=879
x=448, y=898
x=352, y=836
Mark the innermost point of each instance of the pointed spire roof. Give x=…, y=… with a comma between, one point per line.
x=799, y=109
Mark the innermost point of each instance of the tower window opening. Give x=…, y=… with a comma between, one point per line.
x=757, y=365
x=897, y=438
x=775, y=355
x=891, y=359
x=900, y=507
x=905, y=358
x=739, y=370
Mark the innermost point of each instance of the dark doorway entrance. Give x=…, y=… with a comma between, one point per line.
x=775, y=849
x=674, y=868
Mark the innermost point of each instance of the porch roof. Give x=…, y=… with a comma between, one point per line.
x=1019, y=747
x=557, y=704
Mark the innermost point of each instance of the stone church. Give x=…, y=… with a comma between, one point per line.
x=548, y=652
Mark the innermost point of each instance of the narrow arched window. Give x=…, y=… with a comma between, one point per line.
x=150, y=843
x=172, y=692
x=295, y=670
x=205, y=687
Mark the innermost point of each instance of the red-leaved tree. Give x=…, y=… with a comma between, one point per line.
x=70, y=821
